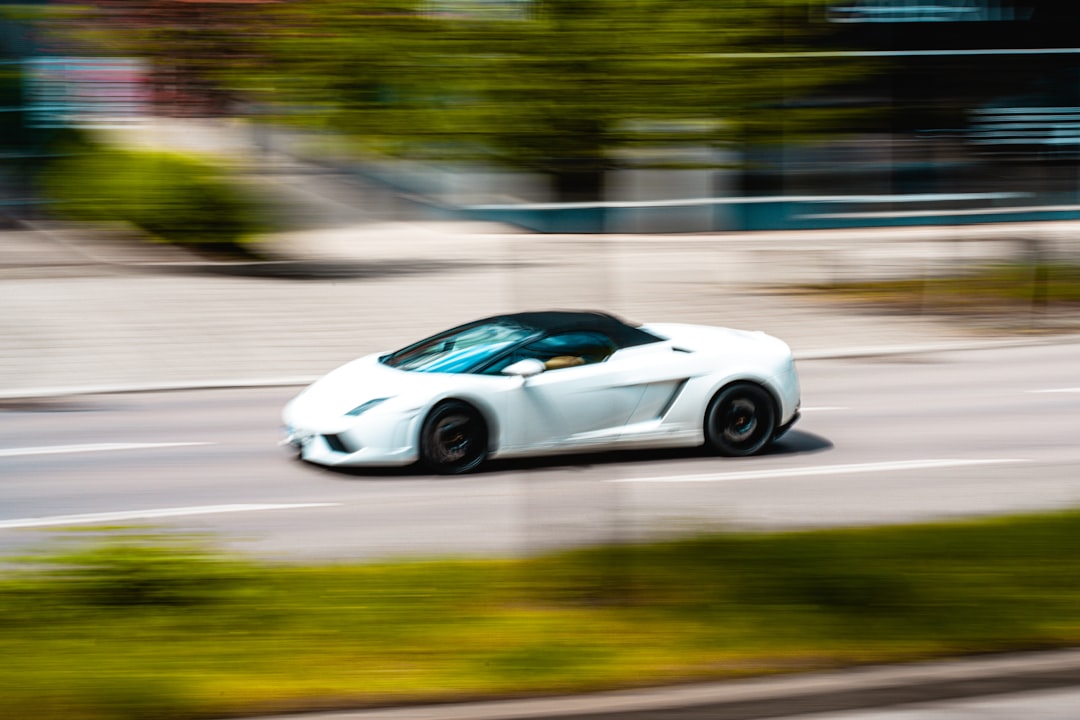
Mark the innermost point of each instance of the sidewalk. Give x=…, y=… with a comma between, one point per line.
x=83, y=311
x=789, y=696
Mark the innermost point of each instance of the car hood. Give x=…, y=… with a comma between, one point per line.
x=357, y=382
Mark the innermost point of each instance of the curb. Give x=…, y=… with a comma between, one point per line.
x=192, y=385
x=771, y=697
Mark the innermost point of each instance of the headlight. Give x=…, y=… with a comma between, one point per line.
x=361, y=409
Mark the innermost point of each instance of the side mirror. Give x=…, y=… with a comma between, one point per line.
x=524, y=368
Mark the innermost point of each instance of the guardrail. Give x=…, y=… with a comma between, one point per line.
x=776, y=213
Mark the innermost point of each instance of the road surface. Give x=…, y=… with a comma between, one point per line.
x=883, y=440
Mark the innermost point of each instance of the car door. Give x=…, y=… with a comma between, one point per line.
x=578, y=401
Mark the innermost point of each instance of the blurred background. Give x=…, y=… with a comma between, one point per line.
x=551, y=115
x=241, y=131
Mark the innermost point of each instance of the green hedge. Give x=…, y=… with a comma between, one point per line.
x=142, y=625
x=175, y=198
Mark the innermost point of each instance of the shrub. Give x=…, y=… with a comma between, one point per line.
x=128, y=569
x=174, y=198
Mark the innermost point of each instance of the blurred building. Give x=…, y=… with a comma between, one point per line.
x=972, y=114
x=1005, y=73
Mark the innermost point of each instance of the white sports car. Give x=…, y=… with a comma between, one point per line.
x=540, y=383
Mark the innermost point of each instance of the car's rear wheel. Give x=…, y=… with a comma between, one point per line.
x=740, y=420
x=453, y=439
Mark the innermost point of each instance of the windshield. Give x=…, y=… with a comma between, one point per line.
x=459, y=350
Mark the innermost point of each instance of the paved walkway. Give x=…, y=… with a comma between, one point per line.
x=84, y=310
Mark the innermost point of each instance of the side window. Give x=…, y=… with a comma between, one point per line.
x=564, y=350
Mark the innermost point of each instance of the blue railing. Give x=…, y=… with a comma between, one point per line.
x=782, y=213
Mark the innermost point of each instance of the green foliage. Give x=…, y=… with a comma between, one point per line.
x=561, y=88
x=175, y=198
x=1000, y=287
x=558, y=86
x=129, y=570
x=148, y=626
x=957, y=584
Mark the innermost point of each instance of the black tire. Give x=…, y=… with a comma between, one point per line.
x=740, y=420
x=453, y=439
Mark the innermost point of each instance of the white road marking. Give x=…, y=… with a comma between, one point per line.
x=1059, y=390
x=820, y=470
x=94, y=447
x=152, y=514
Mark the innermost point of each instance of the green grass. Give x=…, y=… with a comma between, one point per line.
x=138, y=625
x=993, y=288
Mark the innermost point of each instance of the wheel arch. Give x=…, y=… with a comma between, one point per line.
x=763, y=383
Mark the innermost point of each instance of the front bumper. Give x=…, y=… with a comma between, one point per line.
x=363, y=444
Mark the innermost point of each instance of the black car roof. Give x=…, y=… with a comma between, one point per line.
x=553, y=321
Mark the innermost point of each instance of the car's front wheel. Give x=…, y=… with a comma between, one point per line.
x=740, y=420
x=453, y=439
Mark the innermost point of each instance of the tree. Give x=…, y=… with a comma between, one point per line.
x=556, y=86
x=561, y=87
x=191, y=46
